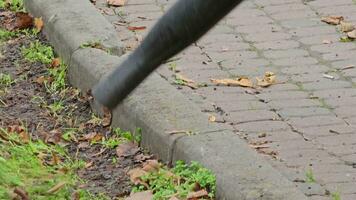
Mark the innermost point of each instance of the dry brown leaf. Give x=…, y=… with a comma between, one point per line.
x=346, y=26
x=92, y=137
x=56, y=187
x=23, y=21
x=136, y=28
x=135, y=176
x=334, y=20
x=56, y=62
x=116, y=2
x=21, y=131
x=151, y=166
x=127, y=149
x=267, y=80
x=352, y=34
x=88, y=164
x=22, y=193
x=212, y=118
x=242, y=81
x=38, y=23
x=145, y=195
x=197, y=195
x=55, y=159
x=107, y=117
x=40, y=80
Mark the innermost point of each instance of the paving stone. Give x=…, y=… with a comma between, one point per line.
x=315, y=121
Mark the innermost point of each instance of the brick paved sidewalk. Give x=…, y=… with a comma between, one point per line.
x=305, y=126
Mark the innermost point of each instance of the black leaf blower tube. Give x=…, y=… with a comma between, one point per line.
x=182, y=25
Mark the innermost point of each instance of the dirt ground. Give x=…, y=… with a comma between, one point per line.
x=26, y=101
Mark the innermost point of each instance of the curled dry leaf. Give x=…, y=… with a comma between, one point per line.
x=212, y=118
x=38, y=23
x=107, y=117
x=145, y=195
x=116, y=2
x=352, y=34
x=267, y=80
x=346, y=26
x=242, y=81
x=334, y=20
x=197, y=195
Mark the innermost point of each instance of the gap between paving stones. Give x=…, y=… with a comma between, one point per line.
x=158, y=108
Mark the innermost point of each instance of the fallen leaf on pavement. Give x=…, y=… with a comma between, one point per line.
x=136, y=28
x=242, y=81
x=135, y=176
x=212, y=118
x=145, y=195
x=116, y=2
x=197, y=195
x=267, y=80
x=334, y=20
x=38, y=22
x=346, y=26
x=127, y=149
x=352, y=34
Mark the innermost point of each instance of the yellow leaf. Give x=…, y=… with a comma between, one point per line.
x=38, y=22
x=242, y=81
x=267, y=80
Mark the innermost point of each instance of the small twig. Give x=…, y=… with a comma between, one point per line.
x=56, y=187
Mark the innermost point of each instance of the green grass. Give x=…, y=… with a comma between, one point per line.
x=6, y=35
x=29, y=166
x=6, y=80
x=38, y=52
x=14, y=5
x=336, y=196
x=310, y=176
x=120, y=136
x=186, y=177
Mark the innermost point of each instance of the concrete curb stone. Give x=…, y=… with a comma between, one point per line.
x=158, y=108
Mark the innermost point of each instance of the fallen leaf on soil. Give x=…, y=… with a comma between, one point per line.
x=116, y=2
x=136, y=28
x=327, y=42
x=88, y=164
x=56, y=62
x=267, y=80
x=92, y=137
x=107, y=117
x=40, y=80
x=197, y=195
x=127, y=149
x=23, y=21
x=23, y=194
x=212, y=118
x=242, y=81
x=151, y=166
x=55, y=159
x=334, y=20
x=352, y=34
x=145, y=195
x=38, y=22
x=346, y=26
x=56, y=187
x=135, y=176
x=24, y=136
